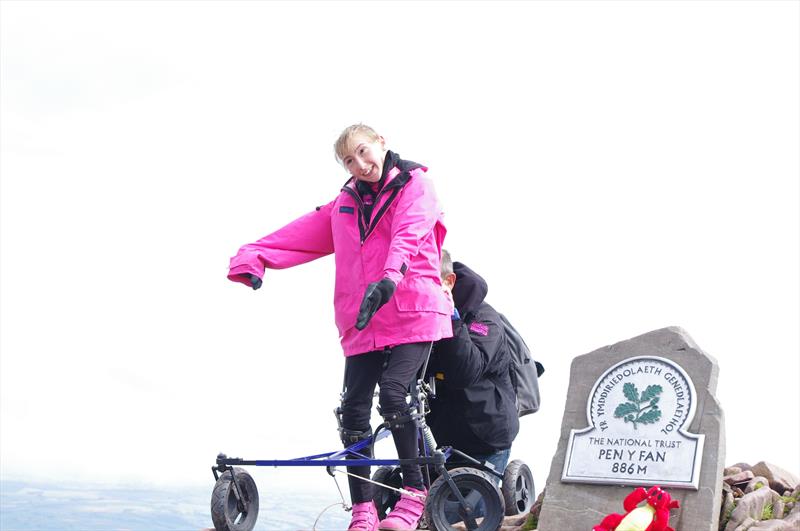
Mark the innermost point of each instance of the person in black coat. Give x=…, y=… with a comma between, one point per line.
x=474, y=409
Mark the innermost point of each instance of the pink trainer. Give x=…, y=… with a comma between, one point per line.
x=406, y=513
x=365, y=517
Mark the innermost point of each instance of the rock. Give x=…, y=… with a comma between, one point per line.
x=773, y=525
x=536, y=508
x=756, y=483
x=731, y=470
x=779, y=479
x=752, y=506
x=742, y=466
x=742, y=478
x=747, y=524
x=728, y=505
x=512, y=523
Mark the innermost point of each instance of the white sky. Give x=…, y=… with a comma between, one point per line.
x=610, y=168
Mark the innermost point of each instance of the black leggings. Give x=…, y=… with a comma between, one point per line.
x=394, y=370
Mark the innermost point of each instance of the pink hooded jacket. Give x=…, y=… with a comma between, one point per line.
x=402, y=240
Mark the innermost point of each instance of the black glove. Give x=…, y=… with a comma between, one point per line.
x=255, y=282
x=377, y=294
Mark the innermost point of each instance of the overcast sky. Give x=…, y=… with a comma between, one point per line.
x=610, y=168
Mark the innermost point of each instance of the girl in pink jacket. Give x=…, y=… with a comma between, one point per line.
x=386, y=232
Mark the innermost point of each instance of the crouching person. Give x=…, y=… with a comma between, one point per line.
x=474, y=409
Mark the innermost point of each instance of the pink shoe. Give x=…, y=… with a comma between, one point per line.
x=365, y=517
x=406, y=513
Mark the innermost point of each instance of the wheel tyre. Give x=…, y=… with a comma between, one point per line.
x=442, y=509
x=384, y=498
x=225, y=511
x=518, y=489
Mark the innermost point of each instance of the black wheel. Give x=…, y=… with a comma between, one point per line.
x=385, y=498
x=443, y=509
x=518, y=490
x=228, y=512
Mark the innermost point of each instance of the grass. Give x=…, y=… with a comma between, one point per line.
x=727, y=516
x=766, y=514
x=530, y=523
x=787, y=500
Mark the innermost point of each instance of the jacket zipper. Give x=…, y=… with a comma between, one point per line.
x=360, y=205
x=366, y=227
x=396, y=185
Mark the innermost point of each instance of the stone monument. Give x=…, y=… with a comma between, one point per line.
x=641, y=412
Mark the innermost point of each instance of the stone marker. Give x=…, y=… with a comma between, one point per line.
x=640, y=412
x=656, y=400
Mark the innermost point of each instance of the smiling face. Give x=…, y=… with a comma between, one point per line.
x=363, y=157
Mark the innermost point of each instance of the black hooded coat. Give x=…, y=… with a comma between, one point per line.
x=475, y=405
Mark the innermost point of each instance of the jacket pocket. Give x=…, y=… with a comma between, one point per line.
x=421, y=294
x=346, y=310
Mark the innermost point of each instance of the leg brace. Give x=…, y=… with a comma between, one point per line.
x=353, y=436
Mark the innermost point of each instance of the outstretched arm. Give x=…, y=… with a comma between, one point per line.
x=303, y=240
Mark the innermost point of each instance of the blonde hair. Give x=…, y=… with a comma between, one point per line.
x=342, y=144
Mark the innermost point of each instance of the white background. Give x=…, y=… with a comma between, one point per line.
x=610, y=168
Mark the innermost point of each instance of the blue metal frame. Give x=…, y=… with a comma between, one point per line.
x=336, y=458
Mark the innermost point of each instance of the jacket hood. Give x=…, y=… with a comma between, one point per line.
x=470, y=289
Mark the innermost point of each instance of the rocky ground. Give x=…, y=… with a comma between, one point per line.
x=762, y=497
